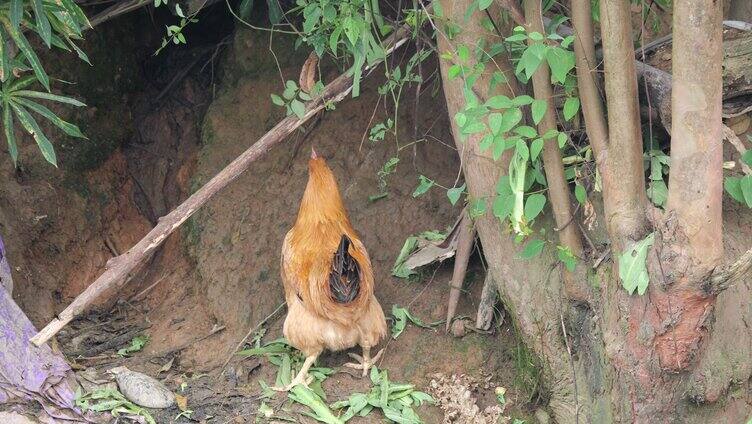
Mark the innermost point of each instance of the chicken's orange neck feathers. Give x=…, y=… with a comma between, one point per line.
x=321, y=201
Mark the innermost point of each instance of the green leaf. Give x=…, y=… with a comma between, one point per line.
x=522, y=100
x=137, y=344
x=533, y=248
x=484, y=4
x=535, y=148
x=499, y=146
x=486, y=142
x=25, y=47
x=76, y=11
x=562, y=138
x=747, y=157
x=67, y=127
x=334, y=39
x=309, y=398
x=461, y=119
x=49, y=96
x=16, y=12
x=746, y=186
x=298, y=108
x=244, y=9
x=566, y=256
x=454, y=71
x=401, y=318
x=733, y=187
x=535, y=36
x=495, y=121
x=10, y=137
x=6, y=68
x=531, y=59
x=633, y=270
x=550, y=134
x=503, y=205
x=477, y=208
x=561, y=62
x=516, y=37
x=522, y=150
x=539, y=110
x=352, y=32
x=275, y=12
x=32, y=127
x=277, y=100
x=526, y=131
x=580, y=194
x=571, y=107
x=534, y=205
x=497, y=79
x=454, y=194
x=79, y=52
x=43, y=24
x=499, y=102
x=511, y=118
x=423, y=186
x=658, y=192
x=473, y=127
x=463, y=53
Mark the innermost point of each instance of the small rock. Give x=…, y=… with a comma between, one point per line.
x=542, y=416
x=143, y=390
x=15, y=418
x=458, y=328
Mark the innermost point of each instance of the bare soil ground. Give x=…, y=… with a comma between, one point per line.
x=218, y=277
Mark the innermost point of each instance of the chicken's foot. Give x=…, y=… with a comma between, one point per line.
x=302, y=377
x=365, y=362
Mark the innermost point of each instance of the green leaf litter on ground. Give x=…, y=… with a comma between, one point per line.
x=401, y=318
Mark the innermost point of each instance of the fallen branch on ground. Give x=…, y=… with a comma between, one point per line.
x=118, y=268
x=465, y=239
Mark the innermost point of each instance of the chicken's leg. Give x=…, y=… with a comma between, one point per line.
x=365, y=361
x=302, y=377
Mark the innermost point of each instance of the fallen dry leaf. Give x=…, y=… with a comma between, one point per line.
x=308, y=73
x=182, y=402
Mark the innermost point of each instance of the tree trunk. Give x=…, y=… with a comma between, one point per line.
x=622, y=358
x=520, y=284
x=624, y=177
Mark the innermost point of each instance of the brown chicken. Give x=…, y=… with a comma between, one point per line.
x=328, y=279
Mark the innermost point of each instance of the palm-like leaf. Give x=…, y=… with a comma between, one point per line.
x=57, y=23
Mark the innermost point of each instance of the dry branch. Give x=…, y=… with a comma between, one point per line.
x=723, y=278
x=558, y=190
x=488, y=298
x=465, y=239
x=118, y=269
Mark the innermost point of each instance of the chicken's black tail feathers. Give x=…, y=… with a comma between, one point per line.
x=344, y=279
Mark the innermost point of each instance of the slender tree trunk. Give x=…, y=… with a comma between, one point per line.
x=624, y=180
x=590, y=95
x=696, y=182
x=558, y=189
